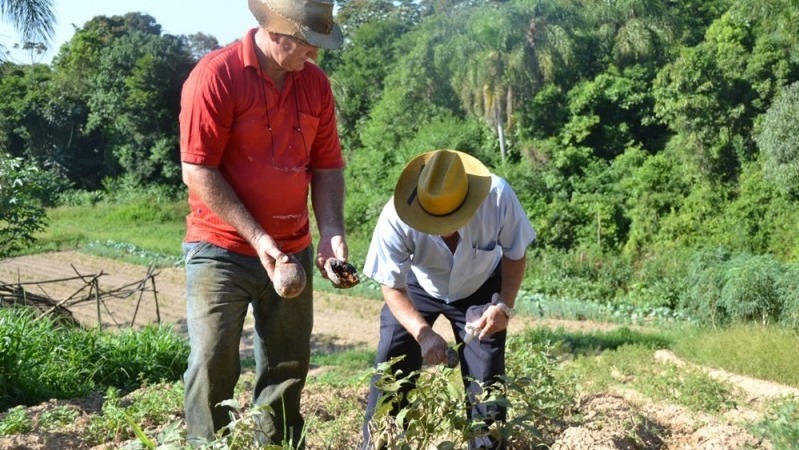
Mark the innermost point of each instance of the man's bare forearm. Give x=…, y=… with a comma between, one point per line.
x=215, y=191
x=512, y=275
x=327, y=198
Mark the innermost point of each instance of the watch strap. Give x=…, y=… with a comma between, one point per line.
x=510, y=312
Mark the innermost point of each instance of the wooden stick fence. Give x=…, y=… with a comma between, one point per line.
x=89, y=291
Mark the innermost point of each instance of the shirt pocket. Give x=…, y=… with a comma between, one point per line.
x=309, y=125
x=483, y=260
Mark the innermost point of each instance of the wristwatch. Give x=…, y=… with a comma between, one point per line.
x=510, y=312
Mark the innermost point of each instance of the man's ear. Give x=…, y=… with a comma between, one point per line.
x=274, y=37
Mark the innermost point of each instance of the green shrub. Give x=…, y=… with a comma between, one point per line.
x=585, y=274
x=750, y=291
x=142, y=211
x=80, y=197
x=788, y=291
x=705, y=282
x=724, y=288
x=781, y=424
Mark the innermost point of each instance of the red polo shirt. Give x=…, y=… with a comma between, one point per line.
x=227, y=108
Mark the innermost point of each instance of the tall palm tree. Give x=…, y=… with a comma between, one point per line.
x=634, y=30
x=34, y=19
x=488, y=61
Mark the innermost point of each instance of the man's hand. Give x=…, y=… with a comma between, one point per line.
x=268, y=252
x=434, y=347
x=342, y=274
x=333, y=248
x=492, y=321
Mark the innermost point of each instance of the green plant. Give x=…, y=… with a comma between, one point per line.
x=781, y=424
x=16, y=421
x=433, y=412
x=788, y=291
x=58, y=417
x=705, y=282
x=108, y=425
x=750, y=290
x=151, y=404
x=538, y=392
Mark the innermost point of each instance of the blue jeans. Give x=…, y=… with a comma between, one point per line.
x=220, y=287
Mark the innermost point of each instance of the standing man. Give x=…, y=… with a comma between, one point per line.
x=257, y=131
x=453, y=236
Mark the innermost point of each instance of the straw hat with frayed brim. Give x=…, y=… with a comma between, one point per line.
x=308, y=20
x=438, y=192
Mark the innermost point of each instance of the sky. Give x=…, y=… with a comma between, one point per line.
x=225, y=20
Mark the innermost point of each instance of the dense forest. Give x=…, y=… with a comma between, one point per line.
x=653, y=143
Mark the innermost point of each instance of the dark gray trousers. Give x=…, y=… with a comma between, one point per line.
x=221, y=286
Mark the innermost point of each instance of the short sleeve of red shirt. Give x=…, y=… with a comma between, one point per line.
x=206, y=113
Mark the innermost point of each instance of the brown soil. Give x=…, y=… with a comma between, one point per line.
x=619, y=419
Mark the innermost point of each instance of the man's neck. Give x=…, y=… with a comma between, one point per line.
x=268, y=65
x=452, y=241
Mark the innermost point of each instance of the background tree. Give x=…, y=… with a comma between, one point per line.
x=360, y=73
x=135, y=100
x=25, y=191
x=778, y=141
x=489, y=65
x=36, y=121
x=200, y=44
x=33, y=18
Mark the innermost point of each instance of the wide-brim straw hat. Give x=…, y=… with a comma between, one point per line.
x=438, y=192
x=308, y=20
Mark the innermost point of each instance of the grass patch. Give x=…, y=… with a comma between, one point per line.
x=44, y=359
x=633, y=365
x=344, y=369
x=768, y=353
x=596, y=342
x=156, y=227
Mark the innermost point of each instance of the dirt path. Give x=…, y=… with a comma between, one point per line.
x=613, y=420
x=339, y=320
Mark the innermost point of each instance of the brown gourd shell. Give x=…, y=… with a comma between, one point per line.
x=289, y=278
